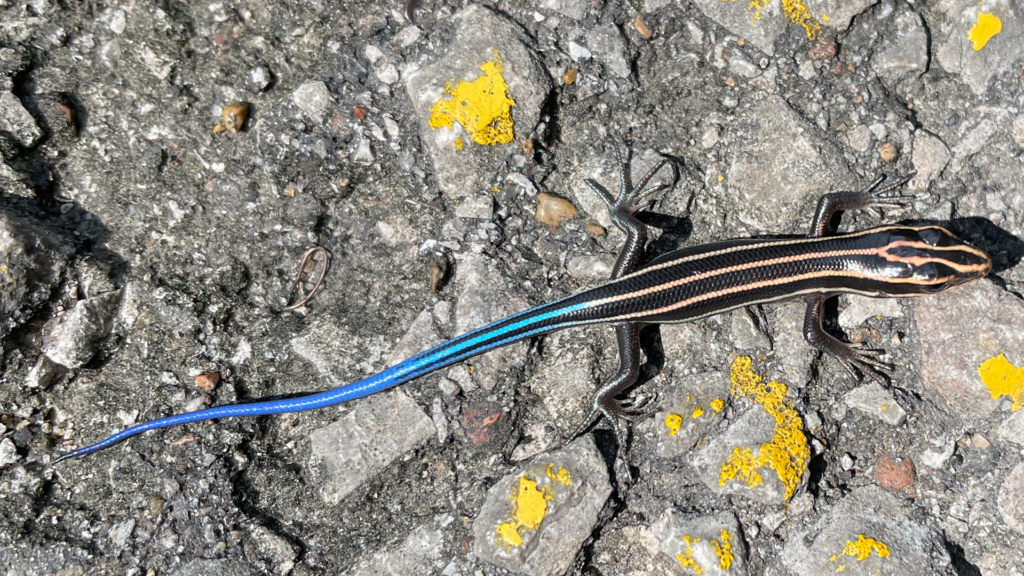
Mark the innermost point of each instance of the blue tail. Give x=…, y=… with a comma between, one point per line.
x=533, y=322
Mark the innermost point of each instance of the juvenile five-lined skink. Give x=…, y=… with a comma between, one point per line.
x=886, y=261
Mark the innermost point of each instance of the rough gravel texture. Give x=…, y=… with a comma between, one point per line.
x=144, y=242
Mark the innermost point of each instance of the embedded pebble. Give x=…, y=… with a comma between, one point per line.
x=554, y=211
x=712, y=545
x=16, y=120
x=314, y=99
x=479, y=206
x=930, y=157
x=869, y=531
x=76, y=337
x=534, y=520
x=959, y=330
x=877, y=402
x=8, y=452
x=1011, y=499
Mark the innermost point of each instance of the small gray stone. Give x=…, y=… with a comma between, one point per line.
x=479, y=206
x=905, y=55
x=806, y=70
x=43, y=373
x=364, y=442
x=1018, y=130
x=408, y=36
x=17, y=121
x=574, y=9
x=591, y=267
x=362, y=154
x=1011, y=499
x=314, y=99
x=607, y=44
x=260, y=78
x=745, y=334
x=870, y=512
x=8, y=452
x=959, y=330
x=577, y=52
x=119, y=533
x=974, y=142
x=846, y=461
x=77, y=336
x=743, y=67
x=420, y=553
x=930, y=158
x=275, y=548
x=860, y=308
x=117, y=21
x=572, y=485
x=940, y=453
x=877, y=402
x=859, y=138
x=709, y=545
x=1012, y=429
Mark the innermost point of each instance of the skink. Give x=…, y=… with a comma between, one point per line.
x=692, y=283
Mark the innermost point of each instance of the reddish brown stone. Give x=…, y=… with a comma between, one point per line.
x=894, y=474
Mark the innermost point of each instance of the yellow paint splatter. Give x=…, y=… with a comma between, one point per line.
x=482, y=106
x=723, y=549
x=987, y=26
x=1002, y=378
x=863, y=547
x=529, y=506
x=3, y=268
x=674, y=422
x=459, y=144
x=561, y=475
x=787, y=452
x=697, y=413
x=796, y=11
x=717, y=404
x=685, y=558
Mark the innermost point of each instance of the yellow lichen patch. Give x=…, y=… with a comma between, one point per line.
x=561, y=475
x=459, y=144
x=673, y=422
x=723, y=549
x=697, y=413
x=529, y=506
x=1002, y=378
x=863, y=547
x=482, y=106
x=717, y=404
x=796, y=11
x=787, y=452
x=987, y=26
x=685, y=557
